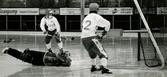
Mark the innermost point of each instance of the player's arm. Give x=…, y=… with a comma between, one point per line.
x=42, y=25
x=65, y=59
x=57, y=25
x=67, y=62
x=101, y=22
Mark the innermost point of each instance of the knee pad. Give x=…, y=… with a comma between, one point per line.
x=48, y=39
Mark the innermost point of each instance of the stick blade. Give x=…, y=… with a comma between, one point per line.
x=72, y=38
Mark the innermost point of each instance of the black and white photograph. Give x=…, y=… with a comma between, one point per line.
x=83, y=38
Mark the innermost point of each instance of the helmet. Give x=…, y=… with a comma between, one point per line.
x=93, y=7
x=48, y=11
x=67, y=53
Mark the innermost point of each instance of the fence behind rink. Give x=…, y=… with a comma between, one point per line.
x=127, y=18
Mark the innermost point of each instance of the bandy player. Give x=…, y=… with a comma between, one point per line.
x=51, y=28
x=89, y=38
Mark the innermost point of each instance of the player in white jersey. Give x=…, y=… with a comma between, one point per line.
x=51, y=28
x=89, y=37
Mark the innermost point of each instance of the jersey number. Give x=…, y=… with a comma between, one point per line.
x=88, y=24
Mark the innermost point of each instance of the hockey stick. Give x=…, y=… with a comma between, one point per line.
x=102, y=35
x=65, y=38
x=69, y=39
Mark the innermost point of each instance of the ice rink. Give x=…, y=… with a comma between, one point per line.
x=122, y=53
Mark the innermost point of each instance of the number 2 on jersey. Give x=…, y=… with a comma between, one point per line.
x=88, y=24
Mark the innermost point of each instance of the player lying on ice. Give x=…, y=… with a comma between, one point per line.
x=40, y=58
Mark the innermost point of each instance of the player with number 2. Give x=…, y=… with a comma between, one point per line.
x=89, y=38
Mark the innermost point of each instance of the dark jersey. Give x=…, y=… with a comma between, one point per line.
x=51, y=59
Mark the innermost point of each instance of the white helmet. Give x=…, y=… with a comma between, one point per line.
x=48, y=11
x=93, y=7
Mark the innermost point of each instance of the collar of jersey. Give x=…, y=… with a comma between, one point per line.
x=49, y=18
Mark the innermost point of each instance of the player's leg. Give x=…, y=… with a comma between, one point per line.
x=37, y=56
x=48, y=39
x=87, y=43
x=99, y=50
x=13, y=52
x=59, y=43
x=34, y=53
x=17, y=54
x=93, y=57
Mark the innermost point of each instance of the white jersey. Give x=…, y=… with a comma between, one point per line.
x=51, y=23
x=90, y=24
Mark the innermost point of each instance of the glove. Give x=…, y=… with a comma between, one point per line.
x=45, y=33
x=57, y=34
x=67, y=54
x=104, y=33
x=99, y=37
